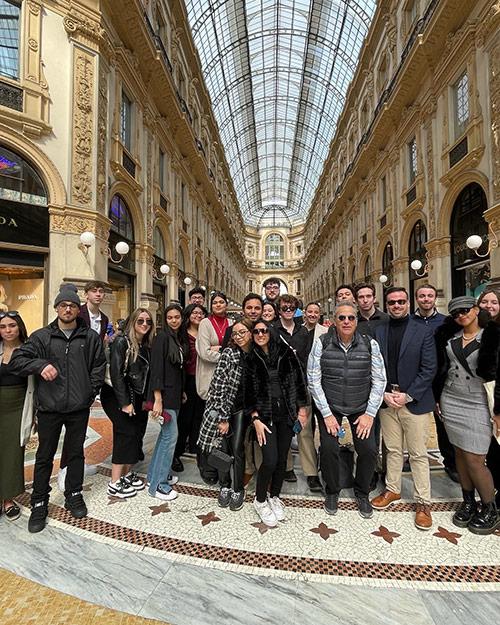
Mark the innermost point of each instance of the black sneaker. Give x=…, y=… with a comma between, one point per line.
x=331, y=504
x=290, y=476
x=132, y=479
x=38, y=517
x=314, y=484
x=224, y=497
x=364, y=507
x=237, y=500
x=76, y=506
x=177, y=465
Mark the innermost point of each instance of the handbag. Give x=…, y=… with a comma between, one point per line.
x=218, y=458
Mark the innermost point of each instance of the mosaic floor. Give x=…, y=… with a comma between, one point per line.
x=173, y=561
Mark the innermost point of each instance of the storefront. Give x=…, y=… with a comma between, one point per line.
x=160, y=286
x=470, y=272
x=121, y=269
x=24, y=239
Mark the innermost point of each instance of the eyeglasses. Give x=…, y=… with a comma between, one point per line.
x=272, y=286
x=198, y=313
x=399, y=302
x=11, y=313
x=459, y=312
x=260, y=331
x=239, y=334
x=148, y=322
x=288, y=308
x=72, y=306
x=344, y=317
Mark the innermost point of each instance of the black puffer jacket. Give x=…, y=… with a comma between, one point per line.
x=128, y=376
x=79, y=360
x=291, y=380
x=167, y=372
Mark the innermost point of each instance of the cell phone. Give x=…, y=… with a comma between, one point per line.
x=297, y=427
x=341, y=433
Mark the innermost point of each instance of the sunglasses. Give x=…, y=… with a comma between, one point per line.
x=260, y=331
x=148, y=322
x=460, y=311
x=239, y=334
x=344, y=317
x=399, y=302
x=12, y=314
x=288, y=308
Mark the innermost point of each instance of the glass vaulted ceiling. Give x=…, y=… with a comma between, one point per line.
x=277, y=72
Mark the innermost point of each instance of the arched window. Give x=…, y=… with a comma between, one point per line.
x=121, y=220
x=367, y=270
x=19, y=182
x=159, y=243
x=121, y=274
x=469, y=272
x=417, y=251
x=275, y=251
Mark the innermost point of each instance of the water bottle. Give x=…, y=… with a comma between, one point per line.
x=341, y=433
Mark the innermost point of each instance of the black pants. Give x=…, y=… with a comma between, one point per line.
x=493, y=462
x=49, y=430
x=366, y=450
x=128, y=430
x=238, y=424
x=446, y=449
x=274, y=453
x=189, y=419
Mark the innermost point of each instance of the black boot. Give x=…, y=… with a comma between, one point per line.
x=486, y=520
x=468, y=508
x=38, y=517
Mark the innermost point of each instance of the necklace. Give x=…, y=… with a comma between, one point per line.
x=469, y=338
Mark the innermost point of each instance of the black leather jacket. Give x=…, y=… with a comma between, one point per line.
x=128, y=377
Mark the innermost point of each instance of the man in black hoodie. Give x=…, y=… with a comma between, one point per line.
x=68, y=361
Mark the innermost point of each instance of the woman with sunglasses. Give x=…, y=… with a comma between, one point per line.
x=123, y=399
x=463, y=406
x=191, y=412
x=225, y=417
x=166, y=395
x=488, y=367
x=277, y=399
x=16, y=401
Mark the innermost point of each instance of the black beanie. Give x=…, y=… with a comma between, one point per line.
x=67, y=293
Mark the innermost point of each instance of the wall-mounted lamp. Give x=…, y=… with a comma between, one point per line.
x=419, y=268
x=384, y=280
x=187, y=280
x=87, y=240
x=164, y=271
x=475, y=241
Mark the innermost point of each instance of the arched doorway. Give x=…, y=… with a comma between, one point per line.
x=121, y=275
x=416, y=251
x=469, y=273
x=160, y=286
x=24, y=238
x=387, y=258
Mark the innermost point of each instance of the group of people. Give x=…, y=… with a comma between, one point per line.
x=234, y=393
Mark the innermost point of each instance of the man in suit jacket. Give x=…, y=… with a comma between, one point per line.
x=410, y=359
x=90, y=311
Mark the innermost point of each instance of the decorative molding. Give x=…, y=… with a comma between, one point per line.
x=83, y=127
x=82, y=29
x=494, y=75
x=102, y=137
x=71, y=221
x=488, y=25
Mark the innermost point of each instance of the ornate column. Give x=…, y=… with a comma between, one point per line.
x=440, y=268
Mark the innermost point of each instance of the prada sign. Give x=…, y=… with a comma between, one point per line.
x=24, y=224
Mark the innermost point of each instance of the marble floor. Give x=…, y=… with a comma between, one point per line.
x=188, y=561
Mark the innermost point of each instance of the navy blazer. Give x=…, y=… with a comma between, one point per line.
x=84, y=314
x=417, y=364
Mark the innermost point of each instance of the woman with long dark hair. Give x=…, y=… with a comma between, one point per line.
x=276, y=398
x=123, y=399
x=166, y=390
x=464, y=410
x=16, y=416
x=191, y=412
x=225, y=417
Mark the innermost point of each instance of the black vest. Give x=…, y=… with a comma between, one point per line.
x=346, y=377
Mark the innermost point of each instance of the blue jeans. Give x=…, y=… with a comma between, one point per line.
x=161, y=462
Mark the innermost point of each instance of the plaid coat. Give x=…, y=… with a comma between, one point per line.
x=221, y=396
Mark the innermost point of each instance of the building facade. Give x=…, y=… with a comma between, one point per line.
x=106, y=127
x=414, y=168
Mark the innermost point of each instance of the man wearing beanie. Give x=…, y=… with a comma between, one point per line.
x=68, y=361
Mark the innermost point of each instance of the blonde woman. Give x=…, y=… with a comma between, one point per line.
x=130, y=357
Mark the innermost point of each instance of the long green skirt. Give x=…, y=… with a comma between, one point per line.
x=11, y=453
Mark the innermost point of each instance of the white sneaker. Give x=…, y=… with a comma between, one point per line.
x=278, y=507
x=173, y=494
x=265, y=513
x=121, y=489
x=172, y=479
x=61, y=479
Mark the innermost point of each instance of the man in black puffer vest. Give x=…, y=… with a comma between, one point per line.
x=346, y=377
